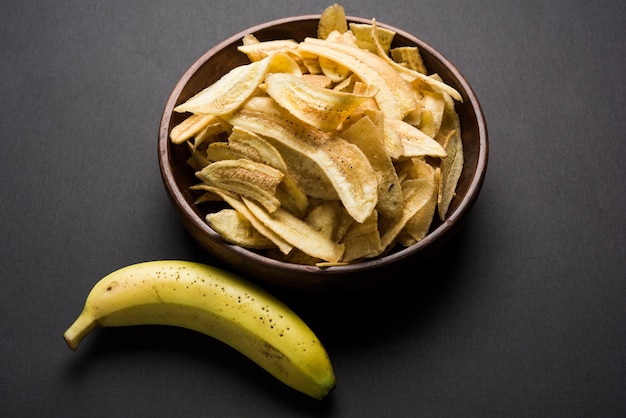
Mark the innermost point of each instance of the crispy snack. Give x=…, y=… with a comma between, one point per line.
x=395, y=96
x=410, y=57
x=333, y=18
x=236, y=229
x=323, y=108
x=415, y=143
x=246, y=178
x=229, y=92
x=365, y=37
x=328, y=151
x=297, y=233
x=369, y=137
x=344, y=164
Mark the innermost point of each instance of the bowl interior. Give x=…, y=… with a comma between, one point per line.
x=178, y=176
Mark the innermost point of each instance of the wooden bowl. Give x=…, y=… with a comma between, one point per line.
x=178, y=176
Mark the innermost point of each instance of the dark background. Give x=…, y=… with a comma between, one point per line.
x=523, y=315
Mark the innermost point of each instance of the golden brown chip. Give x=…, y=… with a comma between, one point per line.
x=365, y=37
x=415, y=142
x=229, y=92
x=190, y=127
x=246, y=178
x=394, y=95
x=362, y=240
x=333, y=18
x=417, y=193
x=320, y=107
x=236, y=229
x=451, y=169
x=257, y=51
x=418, y=225
x=297, y=232
x=345, y=166
x=370, y=139
x=410, y=57
x=236, y=203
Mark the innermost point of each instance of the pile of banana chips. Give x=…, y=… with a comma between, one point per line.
x=326, y=151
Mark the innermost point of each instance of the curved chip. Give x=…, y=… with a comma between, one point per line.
x=246, y=178
x=411, y=75
x=415, y=142
x=229, y=92
x=394, y=96
x=297, y=233
x=323, y=108
x=345, y=165
x=236, y=229
x=236, y=203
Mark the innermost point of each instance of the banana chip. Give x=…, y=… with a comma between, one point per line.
x=415, y=143
x=297, y=233
x=365, y=37
x=236, y=229
x=370, y=139
x=328, y=151
x=346, y=167
x=321, y=107
x=394, y=96
x=257, y=51
x=333, y=19
x=246, y=178
x=229, y=92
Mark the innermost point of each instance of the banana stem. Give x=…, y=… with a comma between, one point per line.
x=78, y=330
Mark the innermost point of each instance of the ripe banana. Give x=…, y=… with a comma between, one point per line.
x=217, y=303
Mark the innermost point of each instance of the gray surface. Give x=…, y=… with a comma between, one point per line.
x=525, y=317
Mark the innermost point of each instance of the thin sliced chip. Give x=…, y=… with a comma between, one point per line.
x=344, y=164
x=248, y=145
x=451, y=169
x=322, y=108
x=362, y=240
x=249, y=39
x=452, y=166
x=285, y=63
x=410, y=57
x=207, y=196
x=246, y=178
x=306, y=173
x=364, y=35
x=191, y=127
x=394, y=96
x=236, y=229
x=297, y=232
x=229, y=92
x=330, y=218
x=319, y=80
x=211, y=133
x=410, y=75
x=416, y=194
x=335, y=72
x=198, y=160
x=217, y=151
x=236, y=203
x=369, y=137
x=257, y=51
x=418, y=226
x=415, y=142
x=431, y=115
x=333, y=18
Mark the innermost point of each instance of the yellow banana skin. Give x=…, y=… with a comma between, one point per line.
x=214, y=302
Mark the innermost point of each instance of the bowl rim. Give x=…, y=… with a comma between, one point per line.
x=184, y=207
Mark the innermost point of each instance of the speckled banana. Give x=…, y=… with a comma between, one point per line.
x=214, y=302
